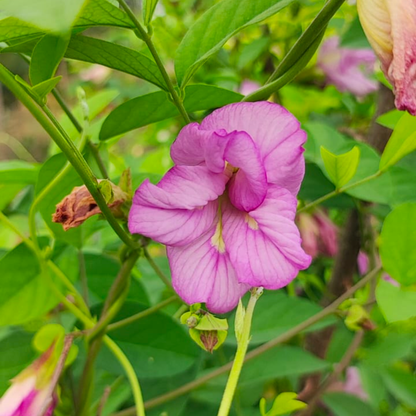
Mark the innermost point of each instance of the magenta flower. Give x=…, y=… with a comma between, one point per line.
x=348, y=69
x=226, y=209
x=30, y=393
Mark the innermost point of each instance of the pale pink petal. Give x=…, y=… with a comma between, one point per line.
x=171, y=226
x=390, y=26
x=202, y=273
x=178, y=209
x=19, y=397
x=275, y=132
x=265, y=245
x=188, y=149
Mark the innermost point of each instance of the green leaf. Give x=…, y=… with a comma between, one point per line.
x=48, y=204
x=101, y=271
x=45, y=87
x=401, y=143
x=156, y=346
x=103, y=13
x=401, y=384
x=14, y=29
x=56, y=16
x=390, y=119
x=24, y=293
x=84, y=48
x=17, y=171
x=396, y=303
x=95, y=13
x=16, y=353
x=156, y=106
x=290, y=310
x=355, y=37
x=342, y=404
x=284, y=403
x=398, y=244
x=149, y=7
x=46, y=57
x=377, y=190
x=215, y=27
x=341, y=168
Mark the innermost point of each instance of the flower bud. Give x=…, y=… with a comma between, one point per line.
x=205, y=329
x=79, y=205
x=390, y=26
x=30, y=391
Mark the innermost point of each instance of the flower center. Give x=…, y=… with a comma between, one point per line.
x=251, y=222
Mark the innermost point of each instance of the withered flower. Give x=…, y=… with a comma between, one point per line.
x=79, y=205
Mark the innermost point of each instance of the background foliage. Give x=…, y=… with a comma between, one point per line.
x=213, y=48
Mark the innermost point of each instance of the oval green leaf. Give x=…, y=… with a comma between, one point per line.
x=401, y=143
x=156, y=106
x=341, y=168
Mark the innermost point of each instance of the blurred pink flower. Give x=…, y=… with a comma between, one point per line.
x=348, y=69
x=30, y=392
x=248, y=86
x=319, y=234
x=95, y=74
x=226, y=209
x=390, y=26
x=363, y=268
x=353, y=384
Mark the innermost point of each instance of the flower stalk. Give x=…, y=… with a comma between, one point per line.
x=243, y=338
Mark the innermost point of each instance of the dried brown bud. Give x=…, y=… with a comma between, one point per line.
x=79, y=205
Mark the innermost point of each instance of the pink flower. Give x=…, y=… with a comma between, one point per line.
x=248, y=86
x=226, y=209
x=319, y=234
x=353, y=384
x=390, y=26
x=348, y=69
x=363, y=268
x=30, y=392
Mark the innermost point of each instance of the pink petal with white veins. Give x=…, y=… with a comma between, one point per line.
x=180, y=208
x=264, y=245
x=201, y=272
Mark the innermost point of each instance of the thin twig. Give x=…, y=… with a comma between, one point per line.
x=156, y=268
x=103, y=400
x=141, y=315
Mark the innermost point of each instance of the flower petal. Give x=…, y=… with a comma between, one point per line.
x=187, y=149
x=202, y=273
x=264, y=245
x=178, y=209
x=275, y=132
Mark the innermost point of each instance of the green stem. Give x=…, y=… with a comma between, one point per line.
x=329, y=310
x=112, y=305
x=141, y=315
x=339, y=191
x=147, y=39
x=307, y=38
x=243, y=341
x=302, y=60
x=131, y=375
x=93, y=148
x=156, y=268
x=58, y=272
x=68, y=148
